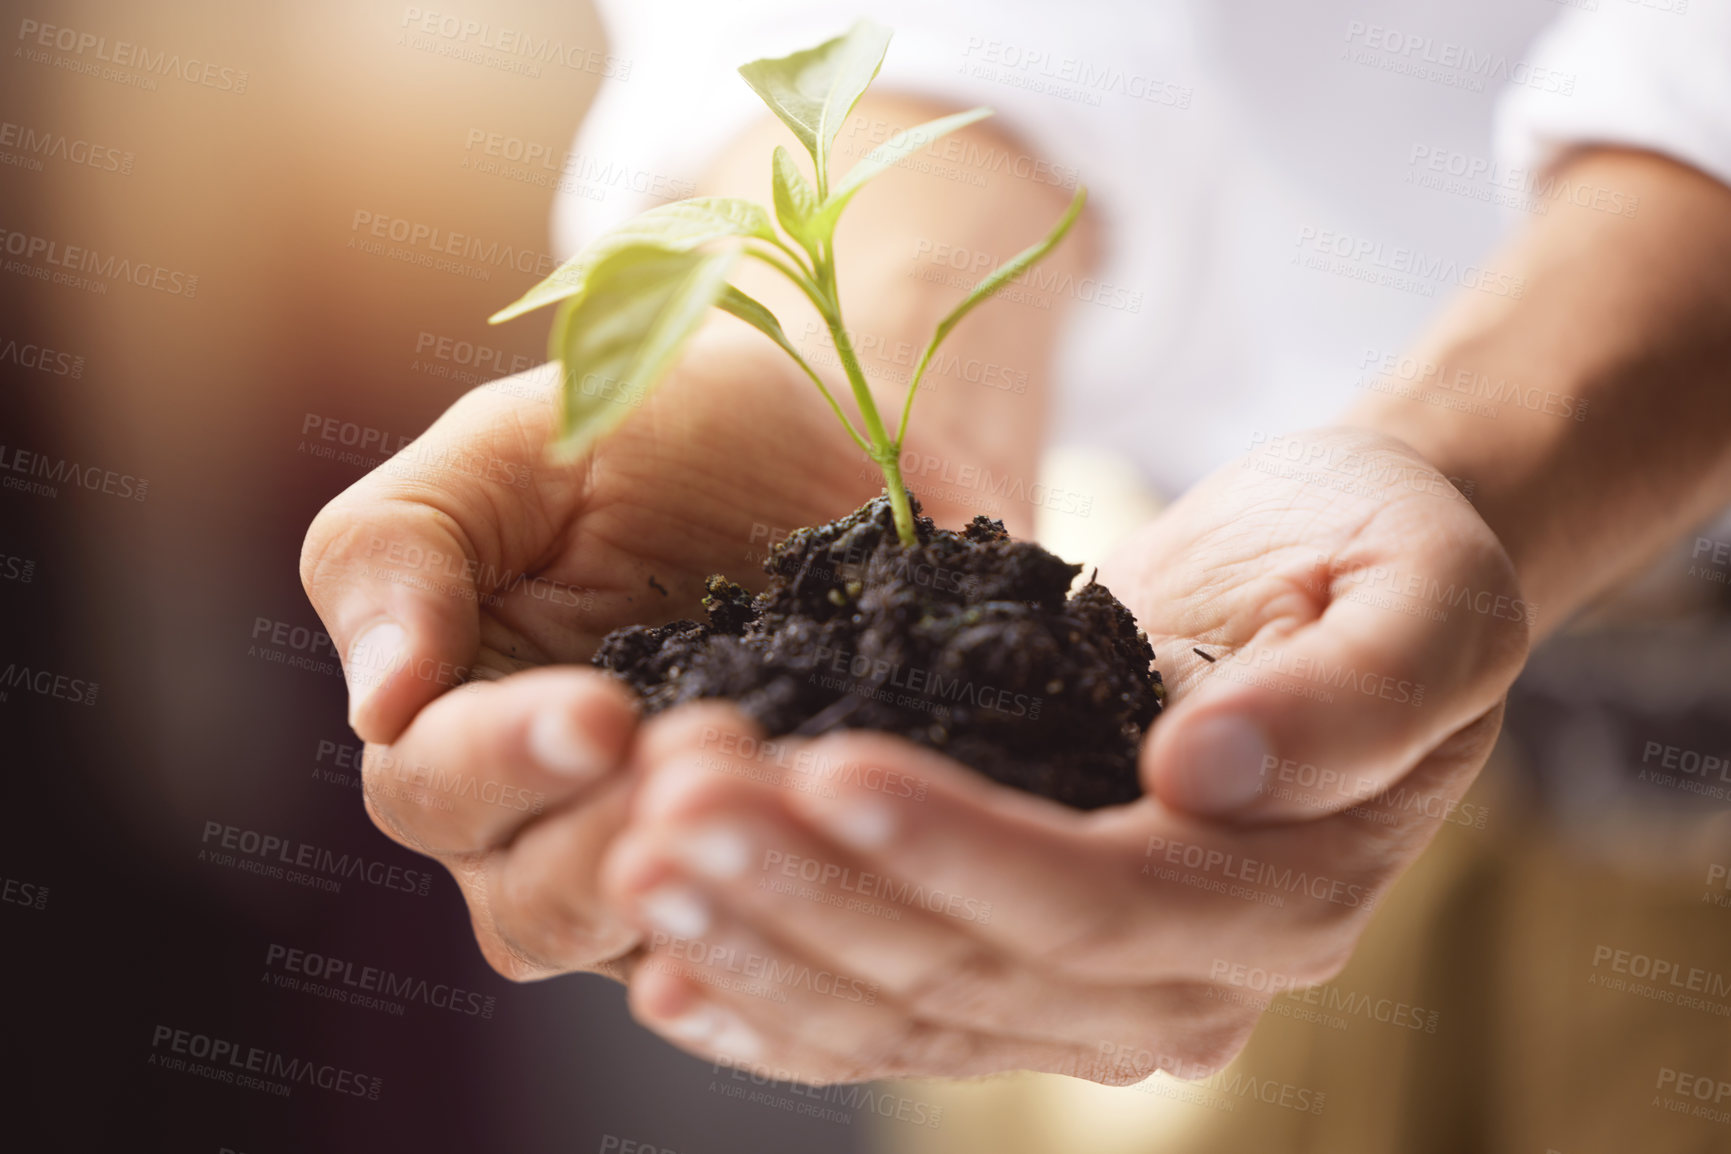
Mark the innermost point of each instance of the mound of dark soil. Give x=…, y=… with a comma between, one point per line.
x=966, y=643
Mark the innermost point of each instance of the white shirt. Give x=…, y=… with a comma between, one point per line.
x=1288, y=189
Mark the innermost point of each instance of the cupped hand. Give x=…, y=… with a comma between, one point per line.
x=856, y=906
x=468, y=558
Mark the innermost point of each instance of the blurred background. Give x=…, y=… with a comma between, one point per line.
x=168, y=431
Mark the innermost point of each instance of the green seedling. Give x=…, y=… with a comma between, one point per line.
x=631, y=298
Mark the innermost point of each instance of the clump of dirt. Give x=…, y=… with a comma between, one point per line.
x=967, y=643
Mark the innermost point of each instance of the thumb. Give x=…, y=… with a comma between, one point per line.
x=1319, y=718
x=393, y=583
x=391, y=564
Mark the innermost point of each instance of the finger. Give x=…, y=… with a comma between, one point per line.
x=1131, y=894
x=823, y=1041
x=713, y=855
x=536, y=906
x=1319, y=711
x=391, y=564
x=475, y=766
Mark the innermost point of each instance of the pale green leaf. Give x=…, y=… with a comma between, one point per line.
x=994, y=281
x=681, y=226
x=814, y=90
x=753, y=312
x=892, y=151
x=795, y=202
x=616, y=342
x=1013, y=267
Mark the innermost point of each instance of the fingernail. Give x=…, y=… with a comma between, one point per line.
x=862, y=823
x=560, y=746
x=718, y=1029
x=374, y=655
x=669, y=785
x=677, y=910
x=1220, y=765
x=718, y=851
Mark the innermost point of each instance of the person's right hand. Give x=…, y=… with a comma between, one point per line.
x=469, y=557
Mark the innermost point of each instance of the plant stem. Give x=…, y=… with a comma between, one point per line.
x=885, y=452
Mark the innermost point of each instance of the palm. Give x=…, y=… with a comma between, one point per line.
x=733, y=452
x=1343, y=585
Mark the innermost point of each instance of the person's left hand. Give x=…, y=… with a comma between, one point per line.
x=856, y=906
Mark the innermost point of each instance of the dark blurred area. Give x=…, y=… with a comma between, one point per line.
x=167, y=685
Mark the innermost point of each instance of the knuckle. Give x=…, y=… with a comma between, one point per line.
x=550, y=927
x=961, y=985
x=1204, y=1051
x=332, y=542
x=914, y=1048
x=387, y=821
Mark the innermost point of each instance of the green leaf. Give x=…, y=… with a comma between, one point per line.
x=795, y=202
x=892, y=151
x=994, y=281
x=615, y=342
x=681, y=226
x=1013, y=267
x=814, y=90
x=752, y=311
